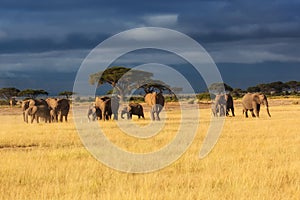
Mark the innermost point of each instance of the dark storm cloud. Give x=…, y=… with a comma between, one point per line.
x=55, y=36
x=51, y=25
x=44, y=44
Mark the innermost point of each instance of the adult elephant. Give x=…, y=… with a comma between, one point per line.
x=157, y=102
x=229, y=105
x=63, y=107
x=133, y=109
x=53, y=105
x=104, y=105
x=38, y=111
x=219, y=106
x=25, y=106
x=252, y=102
x=114, y=104
x=29, y=103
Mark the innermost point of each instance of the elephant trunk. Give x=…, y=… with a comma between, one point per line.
x=267, y=107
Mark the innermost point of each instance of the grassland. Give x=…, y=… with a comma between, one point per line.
x=253, y=159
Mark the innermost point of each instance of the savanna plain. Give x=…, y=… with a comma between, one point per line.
x=253, y=158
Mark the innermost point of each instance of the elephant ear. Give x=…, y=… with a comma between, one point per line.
x=256, y=98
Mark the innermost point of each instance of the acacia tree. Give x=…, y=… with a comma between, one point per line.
x=68, y=94
x=8, y=93
x=124, y=80
x=32, y=93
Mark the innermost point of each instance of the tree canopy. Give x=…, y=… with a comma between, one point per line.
x=68, y=94
x=8, y=93
x=276, y=87
x=32, y=93
x=124, y=80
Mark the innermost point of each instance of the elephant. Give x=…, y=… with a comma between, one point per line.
x=38, y=111
x=219, y=106
x=25, y=106
x=53, y=105
x=133, y=109
x=115, y=103
x=252, y=102
x=107, y=106
x=12, y=102
x=229, y=104
x=157, y=102
x=63, y=107
x=28, y=103
x=94, y=112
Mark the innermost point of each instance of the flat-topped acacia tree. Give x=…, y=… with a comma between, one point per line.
x=124, y=80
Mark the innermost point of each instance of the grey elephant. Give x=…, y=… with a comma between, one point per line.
x=229, y=105
x=252, y=102
x=38, y=111
x=53, y=105
x=157, y=102
x=219, y=106
x=104, y=105
x=115, y=103
x=107, y=106
x=63, y=107
x=133, y=109
x=94, y=113
x=28, y=103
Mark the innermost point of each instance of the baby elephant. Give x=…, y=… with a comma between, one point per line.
x=133, y=109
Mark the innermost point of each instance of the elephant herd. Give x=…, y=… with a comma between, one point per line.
x=223, y=104
x=51, y=109
x=54, y=110
x=105, y=107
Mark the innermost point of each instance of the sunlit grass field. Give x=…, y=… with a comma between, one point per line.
x=253, y=159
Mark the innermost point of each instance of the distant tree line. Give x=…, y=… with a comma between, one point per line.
x=7, y=94
x=277, y=88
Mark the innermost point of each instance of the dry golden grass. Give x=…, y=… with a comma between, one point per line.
x=253, y=159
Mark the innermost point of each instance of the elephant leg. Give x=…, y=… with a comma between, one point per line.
x=257, y=110
x=152, y=113
x=252, y=113
x=246, y=113
x=32, y=118
x=232, y=111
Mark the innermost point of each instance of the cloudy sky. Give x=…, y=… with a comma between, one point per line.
x=42, y=44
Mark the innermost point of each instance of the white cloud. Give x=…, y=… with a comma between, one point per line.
x=161, y=20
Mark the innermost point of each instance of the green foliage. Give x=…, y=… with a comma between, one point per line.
x=32, y=93
x=136, y=99
x=68, y=94
x=124, y=80
x=276, y=88
x=237, y=92
x=4, y=102
x=204, y=96
x=171, y=98
x=8, y=93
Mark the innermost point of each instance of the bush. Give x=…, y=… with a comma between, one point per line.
x=203, y=96
x=4, y=102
